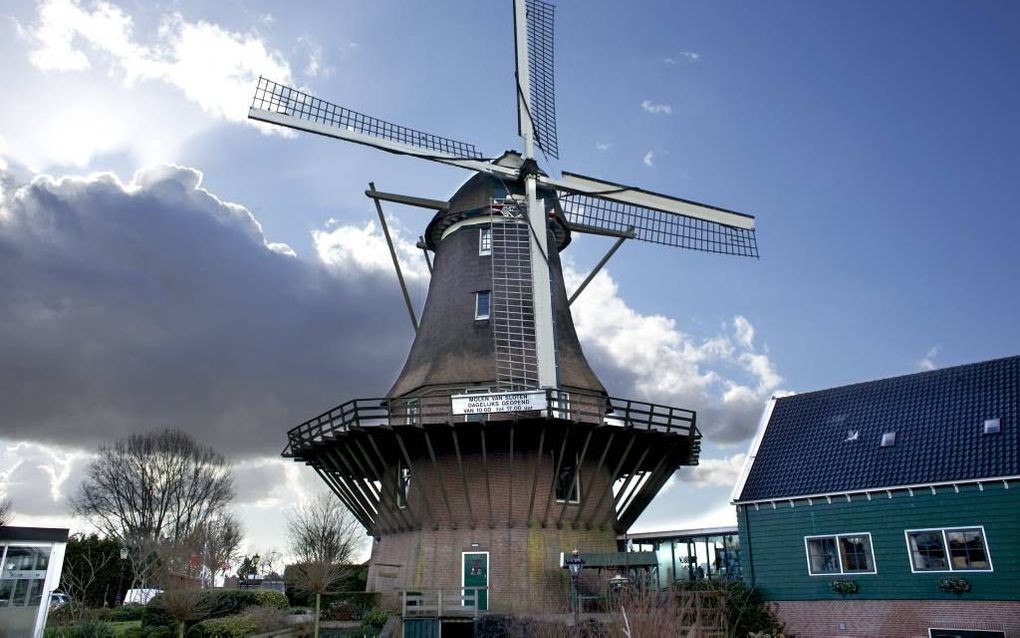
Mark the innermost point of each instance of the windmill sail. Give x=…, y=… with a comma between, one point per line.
x=513, y=300
x=541, y=80
x=276, y=103
x=594, y=205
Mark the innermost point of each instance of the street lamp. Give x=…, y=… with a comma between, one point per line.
x=120, y=576
x=575, y=564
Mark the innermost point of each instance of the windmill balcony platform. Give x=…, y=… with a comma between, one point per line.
x=578, y=461
x=561, y=406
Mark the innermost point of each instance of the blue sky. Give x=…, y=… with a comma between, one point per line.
x=874, y=142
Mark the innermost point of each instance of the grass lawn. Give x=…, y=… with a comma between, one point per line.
x=120, y=627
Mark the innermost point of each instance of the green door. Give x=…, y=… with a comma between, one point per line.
x=476, y=574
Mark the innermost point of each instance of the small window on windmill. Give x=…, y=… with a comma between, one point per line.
x=482, y=300
x=403, y=484
x=888, y=439
x=485, y=241
x=852, y=435
x=993, y=426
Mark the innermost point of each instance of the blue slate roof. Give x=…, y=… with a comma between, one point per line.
x=938, y=418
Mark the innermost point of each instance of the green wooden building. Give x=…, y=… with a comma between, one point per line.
x=889, y=508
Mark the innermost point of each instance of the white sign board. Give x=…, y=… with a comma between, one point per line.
x=499, y=402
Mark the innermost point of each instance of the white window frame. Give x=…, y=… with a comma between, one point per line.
x=412, y=409
x=839, y=554
x=399, y=494
x=478, y=297
x=484, y=231
x=945, y=549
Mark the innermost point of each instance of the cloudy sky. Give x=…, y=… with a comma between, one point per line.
x=164, y=262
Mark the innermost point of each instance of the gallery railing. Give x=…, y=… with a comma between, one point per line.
x=573, y=406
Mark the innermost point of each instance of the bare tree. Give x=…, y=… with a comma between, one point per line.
x=217, y=542
x=153, y=487
x=324, y=536
x=6, y=511
x=82, y=569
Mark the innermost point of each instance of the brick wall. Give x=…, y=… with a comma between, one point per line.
x=900, y=618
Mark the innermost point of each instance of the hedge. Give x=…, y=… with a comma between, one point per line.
x=216, y=603
x=228, y=627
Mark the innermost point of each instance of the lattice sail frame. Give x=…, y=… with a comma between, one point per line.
x=656, y=226
x=513, y=298
x=280, y=98
x=541, y=21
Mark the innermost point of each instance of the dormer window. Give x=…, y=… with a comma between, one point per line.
x=485, y=240
x=888, y=439
x=993, y=426
x=482, y=302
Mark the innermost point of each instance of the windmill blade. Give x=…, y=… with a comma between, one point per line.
x=593, y=205
x=541, y=79
x=280, y=104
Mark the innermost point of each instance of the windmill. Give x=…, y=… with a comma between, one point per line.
x=503, y=393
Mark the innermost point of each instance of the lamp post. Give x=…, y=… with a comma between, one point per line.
x=120, y=577
x=575, y=564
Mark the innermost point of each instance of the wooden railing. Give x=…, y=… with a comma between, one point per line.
x=574, y=406
x=442, y=603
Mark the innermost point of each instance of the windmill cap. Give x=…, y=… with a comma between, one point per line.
x=474, y=197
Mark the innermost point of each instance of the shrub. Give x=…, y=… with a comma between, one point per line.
x=228, y=627
x=339, y=610
x=267, y=618
x=87, y=628
x=216, y=603
x=127, y=613
x=745, y=609
x=954, y=585
x=843, y=587
x=375, y=618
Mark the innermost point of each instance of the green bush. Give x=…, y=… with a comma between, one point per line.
x=339, y=610
x=745, y=609
x=87, y=628
x=228, y=627
x=375, y=618
x=128, y=612
x=217, y=603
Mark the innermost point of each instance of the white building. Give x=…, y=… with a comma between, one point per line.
x=31, y=559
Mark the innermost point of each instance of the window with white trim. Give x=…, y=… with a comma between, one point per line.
x=948, y=549
x=403, y=484
x=568, y=483
x=483, y=300
x=840, y=554
x=485, y=240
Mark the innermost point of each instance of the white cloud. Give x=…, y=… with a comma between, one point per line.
x=363, y=248
x=603, y=146
x=714, y=472
x=689, y=56
x=165, y=305
x=314, y=66
x=649, y=159
x=744, y=331
x=656, y=109
x=723, y=376
x=213, y=67
x=927, y=362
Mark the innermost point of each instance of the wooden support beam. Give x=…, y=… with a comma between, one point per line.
x=352, y=504
x=398, y=513
x=618, y=498
x=555, y=477
x=406, y=511
x=510, y=486
x=485, y=465
x=594, y=478
x=328, y=480
x=612, y=480
x=463, y=477
x=416, y=481
x=346, y=476
x=534, y=478
x=577, y=478
x=367, y=480
x=439, y=478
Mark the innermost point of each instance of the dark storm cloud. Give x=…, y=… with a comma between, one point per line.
x=154, y=304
